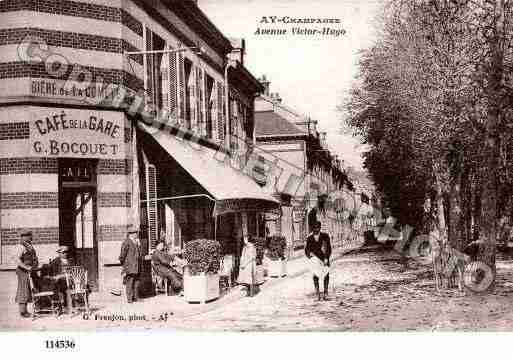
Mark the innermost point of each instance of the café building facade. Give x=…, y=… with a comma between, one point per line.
x=81, y=153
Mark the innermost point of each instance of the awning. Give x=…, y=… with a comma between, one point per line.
x=232, y=190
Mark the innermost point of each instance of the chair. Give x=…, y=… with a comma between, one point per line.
x=45, y=302
x=159, y=282
x=226, y=270
x=77, y=292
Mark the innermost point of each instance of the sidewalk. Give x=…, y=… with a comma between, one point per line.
x=110, y=311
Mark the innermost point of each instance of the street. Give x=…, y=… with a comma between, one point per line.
x=370, y=290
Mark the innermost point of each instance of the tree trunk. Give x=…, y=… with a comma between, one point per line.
x=488, y=232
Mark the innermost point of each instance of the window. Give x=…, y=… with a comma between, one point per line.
x=210, y=105
x=190, y=90
x=155, y=63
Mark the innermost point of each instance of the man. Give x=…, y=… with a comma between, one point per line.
x=163, y=263
x=130, y=259
x=57, y=271
x=318, y=251
x=27, y=265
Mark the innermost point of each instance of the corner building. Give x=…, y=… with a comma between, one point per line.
x=76, y=169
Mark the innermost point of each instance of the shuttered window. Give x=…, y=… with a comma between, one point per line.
x=172, y=83
x=220, y=112
x=151, y=207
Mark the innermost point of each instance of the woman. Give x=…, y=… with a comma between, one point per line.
x=247, y=270
x=27, y=264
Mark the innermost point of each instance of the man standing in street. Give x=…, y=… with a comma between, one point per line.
x=130, y=259
x=318, y=252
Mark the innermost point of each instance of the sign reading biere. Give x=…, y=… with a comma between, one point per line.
x=78, y=134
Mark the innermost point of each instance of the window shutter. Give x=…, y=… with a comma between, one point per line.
x=220, y=112
x=151, y=197
x=199, y=102
x=149, y=66
x=192, y=100
x=213, y=110
x=181, y=88
x=173, y=76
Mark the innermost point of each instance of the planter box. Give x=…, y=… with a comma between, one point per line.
x=276, y=268
x=259, y=275
x=201, y=288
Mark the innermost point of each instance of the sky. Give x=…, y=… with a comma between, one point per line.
x=312, y=73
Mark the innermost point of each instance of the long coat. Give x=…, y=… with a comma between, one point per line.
x=247, y=264
x=130, y=257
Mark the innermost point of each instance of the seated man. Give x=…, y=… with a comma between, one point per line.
x=56, y=270
x=164, y=265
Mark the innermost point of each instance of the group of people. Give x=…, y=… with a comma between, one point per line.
x=166, y=264
x=48, y=277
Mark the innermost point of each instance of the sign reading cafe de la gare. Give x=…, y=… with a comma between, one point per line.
x=77, y=133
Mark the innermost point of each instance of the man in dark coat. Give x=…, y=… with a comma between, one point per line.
x=163, y=264
x=318, y=251
x=130, y=259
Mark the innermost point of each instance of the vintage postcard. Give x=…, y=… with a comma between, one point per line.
x=229, y=165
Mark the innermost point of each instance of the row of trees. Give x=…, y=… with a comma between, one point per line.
x=433, y=102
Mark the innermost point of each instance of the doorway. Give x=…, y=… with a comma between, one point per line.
x=77, y=214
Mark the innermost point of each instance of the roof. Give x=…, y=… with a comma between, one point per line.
x=269, y=123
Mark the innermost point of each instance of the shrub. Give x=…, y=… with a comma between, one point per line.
x=277, y=245
x=259, y=243
x=203, y=256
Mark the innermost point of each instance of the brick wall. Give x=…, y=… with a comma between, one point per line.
x=47, y=235
x=38, y=70
x=19, y=200
x=28, y=165
x=14, y=131
x=114, y=199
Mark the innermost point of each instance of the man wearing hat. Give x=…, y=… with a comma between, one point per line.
x=27, y=264
x=164, y=265
x=318, y=252
x=130, y=259
x=57, y=271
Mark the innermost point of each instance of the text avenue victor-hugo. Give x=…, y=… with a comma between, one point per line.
x=302, y=31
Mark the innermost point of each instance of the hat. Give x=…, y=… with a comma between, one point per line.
x=26, y=234
x=132, y=229
x=63, y=249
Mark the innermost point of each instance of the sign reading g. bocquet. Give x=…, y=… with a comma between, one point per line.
x=78, y=134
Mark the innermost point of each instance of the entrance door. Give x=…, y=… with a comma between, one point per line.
x=77, y=208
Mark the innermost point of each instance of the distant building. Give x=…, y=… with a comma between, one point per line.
x=284, y=134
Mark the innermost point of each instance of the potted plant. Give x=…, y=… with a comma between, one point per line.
x=259, y=243
x=201, y=278
x=276, y=255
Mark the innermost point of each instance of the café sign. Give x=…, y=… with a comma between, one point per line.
x=78, y=134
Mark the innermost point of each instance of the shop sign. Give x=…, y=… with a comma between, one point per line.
x=94, y=93
x=77, y=134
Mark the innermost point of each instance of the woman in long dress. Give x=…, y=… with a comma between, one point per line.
x=247, y=272
x=27, y=264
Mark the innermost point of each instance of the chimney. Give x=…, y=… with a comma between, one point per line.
x=276, y=97
x=266, y=84
x=239, y=49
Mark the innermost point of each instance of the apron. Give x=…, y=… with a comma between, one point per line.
x=248, y=259
x=23, y=292
x=318, y=268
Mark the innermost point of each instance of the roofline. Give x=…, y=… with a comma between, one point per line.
x=198, y=19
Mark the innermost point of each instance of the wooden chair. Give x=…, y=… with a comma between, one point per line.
x=225, y=272
x=77, y=292
x=45, y=302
